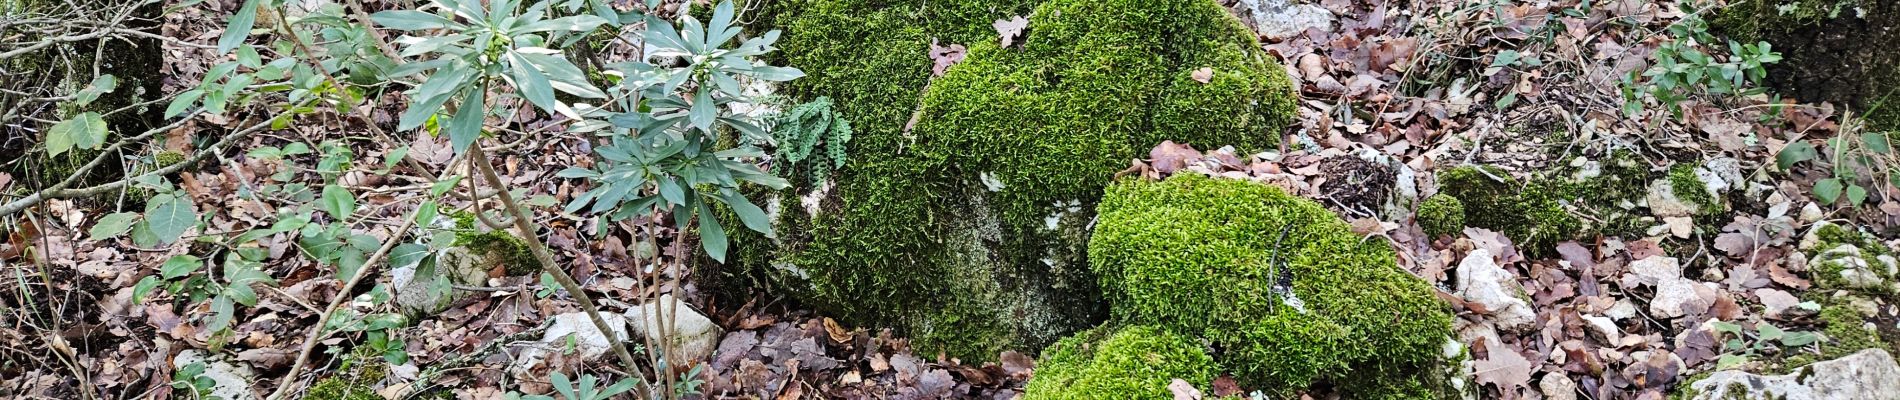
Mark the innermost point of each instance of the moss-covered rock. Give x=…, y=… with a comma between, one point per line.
x=1135, y=362
x=1527, y=213
x=1281, y=286
x=1441, y=215
x=1847, y=259
x=513, y=253
x=968, y=228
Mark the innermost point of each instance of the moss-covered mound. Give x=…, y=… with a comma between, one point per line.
x=1136, y=362
x=1441, y=215
x=1281, y=286
x=967, y=228
x=1528, y=214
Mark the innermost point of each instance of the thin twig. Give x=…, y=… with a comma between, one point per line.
x=526, y=231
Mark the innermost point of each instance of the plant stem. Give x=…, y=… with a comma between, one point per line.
x=525, y=230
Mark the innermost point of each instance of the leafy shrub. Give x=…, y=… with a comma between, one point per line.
x=1285, y=291
x=1694, y=64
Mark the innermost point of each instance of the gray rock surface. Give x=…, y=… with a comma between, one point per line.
x=1868, y=375
x=434, y=291
x=1281, y=19
x=588, y=341
x=229, y=381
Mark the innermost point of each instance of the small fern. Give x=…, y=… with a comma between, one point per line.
x=802, y=130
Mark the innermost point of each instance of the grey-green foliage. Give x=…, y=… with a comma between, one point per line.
x=669, y=152
x=588, y=388
x=800, y=132
x=501, y=43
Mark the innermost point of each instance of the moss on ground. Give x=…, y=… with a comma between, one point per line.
x=1136, y=362
x=1529, y=214
x=1540, y=213
x=1196, y=255
x=1690, y=189
x=339, y=389
x=967, y=229
x=1441, y=215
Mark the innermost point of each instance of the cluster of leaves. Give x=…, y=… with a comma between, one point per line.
x=671, y=151
x=1744, y=344
x=799, y=133
x=1682, y=68
x=587, y=388
x=496, y=44
x=1855, y=158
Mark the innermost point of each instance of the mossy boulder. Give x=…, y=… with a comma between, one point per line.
x=1135, y=362
x=1856, y=276
x=967, y=228
x=1289, y=296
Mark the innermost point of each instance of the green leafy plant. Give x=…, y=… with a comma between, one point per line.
x=191, y=377
x=587, y=388
x=1744, y=344
x=1692, y=64
x=802, y=130
x=484, y=48
x=670, y=153
x=1856, y=160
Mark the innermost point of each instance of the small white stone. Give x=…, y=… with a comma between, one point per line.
x=1672, y=295
x=1482, y=281
x=1557, y=386
x=1810, y=213
x=1622, y=310
x=1604, y=327
x=1650, y=271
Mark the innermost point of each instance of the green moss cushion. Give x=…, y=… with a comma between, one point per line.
x=1531, y=215
x=1196, y=255
x=968, y=229
x=1132, y=363
x=1094, y=84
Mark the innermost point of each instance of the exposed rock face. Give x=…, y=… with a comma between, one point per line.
x=1868, y=375
x=692, y=336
